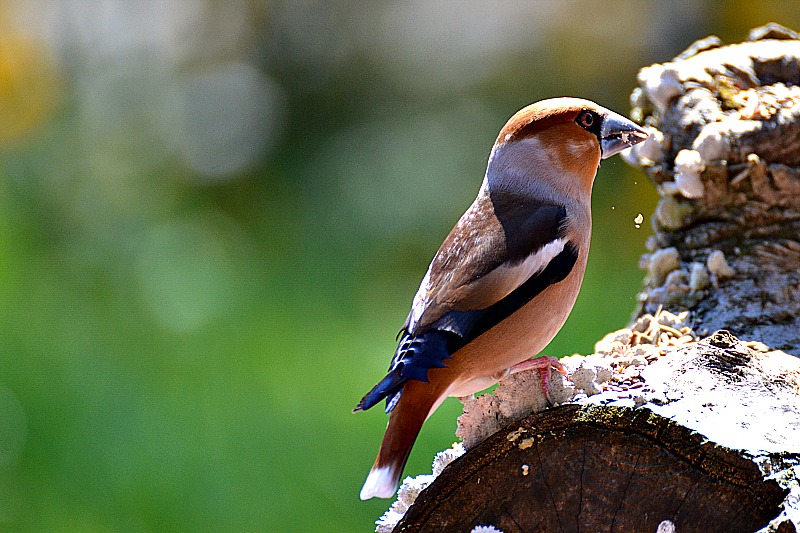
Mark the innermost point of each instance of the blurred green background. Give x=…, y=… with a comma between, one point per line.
x=213, y=217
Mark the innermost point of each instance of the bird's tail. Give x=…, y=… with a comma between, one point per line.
x=404, y=425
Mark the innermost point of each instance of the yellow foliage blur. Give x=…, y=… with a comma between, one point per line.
x=30, y=86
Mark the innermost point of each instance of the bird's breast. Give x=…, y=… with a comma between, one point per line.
x=522, y=335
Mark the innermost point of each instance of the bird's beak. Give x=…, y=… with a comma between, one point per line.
x=618, y=133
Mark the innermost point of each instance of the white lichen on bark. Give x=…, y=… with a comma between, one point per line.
x=613, y=371
x=725, y=156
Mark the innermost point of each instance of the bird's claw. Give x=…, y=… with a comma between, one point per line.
x=542, y=364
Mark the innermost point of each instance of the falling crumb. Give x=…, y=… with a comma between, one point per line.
x=638, y=221
x=525, y=469
x=524, y=444
x=612, y=207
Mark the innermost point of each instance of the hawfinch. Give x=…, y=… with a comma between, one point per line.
x=506, y=277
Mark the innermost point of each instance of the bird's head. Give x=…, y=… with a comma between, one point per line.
x=559, y=141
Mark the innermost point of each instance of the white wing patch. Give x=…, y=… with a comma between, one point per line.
x=508, y=277
x=420, y=302
x=495, y=285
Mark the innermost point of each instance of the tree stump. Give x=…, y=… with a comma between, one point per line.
x=715, y=447
x=574, y=468
x=699, y=436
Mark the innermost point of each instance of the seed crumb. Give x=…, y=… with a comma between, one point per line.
x=524, y=444
x=514, y=435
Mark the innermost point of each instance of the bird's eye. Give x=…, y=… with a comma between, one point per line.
x=586, y=119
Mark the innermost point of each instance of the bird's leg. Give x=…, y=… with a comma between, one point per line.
x=542, y=364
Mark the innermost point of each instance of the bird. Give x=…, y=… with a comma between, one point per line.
x=506, y=277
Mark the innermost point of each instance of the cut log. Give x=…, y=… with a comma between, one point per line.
x=591, y=468
x=714, y=447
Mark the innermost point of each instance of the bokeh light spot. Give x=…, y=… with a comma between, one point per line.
x=29, y=86
x=228, y=118
x=399, y=176
x=185, y=273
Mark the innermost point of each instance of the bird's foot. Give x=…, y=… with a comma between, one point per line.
x=542, y=364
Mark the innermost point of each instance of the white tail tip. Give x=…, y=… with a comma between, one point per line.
x=380, y=483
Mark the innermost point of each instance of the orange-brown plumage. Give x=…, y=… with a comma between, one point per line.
x=540, y=116
x=506, y=277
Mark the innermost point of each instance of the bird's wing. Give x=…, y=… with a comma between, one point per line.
x=475, y=283
x=486, y=257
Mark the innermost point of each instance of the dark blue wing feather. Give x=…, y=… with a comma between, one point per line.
x=412, y=359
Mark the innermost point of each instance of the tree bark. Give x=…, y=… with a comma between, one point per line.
x=691, y=436
x=735, y=111
x=591, y=468
x=714, y=447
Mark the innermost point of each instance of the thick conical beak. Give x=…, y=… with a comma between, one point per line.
x=618, y=133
